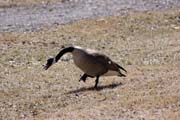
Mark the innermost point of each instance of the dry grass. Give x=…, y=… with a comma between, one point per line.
x=146, y=44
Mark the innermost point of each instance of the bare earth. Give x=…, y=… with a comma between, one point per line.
x=146, y=43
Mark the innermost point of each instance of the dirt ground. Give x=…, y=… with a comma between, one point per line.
x=146, y=43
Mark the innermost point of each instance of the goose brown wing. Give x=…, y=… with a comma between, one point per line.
x=106, y=61
x=111, y=65
x=101, y=58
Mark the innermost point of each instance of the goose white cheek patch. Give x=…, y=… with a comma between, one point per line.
x=54, y=60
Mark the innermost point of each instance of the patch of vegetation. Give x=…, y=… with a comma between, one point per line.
x=146, y=44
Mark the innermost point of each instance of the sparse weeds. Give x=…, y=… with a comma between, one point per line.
x=146, y=41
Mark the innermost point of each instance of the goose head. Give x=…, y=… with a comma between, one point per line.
x=51, y=61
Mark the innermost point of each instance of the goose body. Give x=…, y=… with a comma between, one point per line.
x=91, y=62
x=88, y=62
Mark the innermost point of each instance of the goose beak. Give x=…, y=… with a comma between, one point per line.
x=48, y=64
x=45, y=67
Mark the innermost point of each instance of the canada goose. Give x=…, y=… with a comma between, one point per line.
x=92, y=63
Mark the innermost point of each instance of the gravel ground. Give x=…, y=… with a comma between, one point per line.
x=35, y=17
x=144, y=43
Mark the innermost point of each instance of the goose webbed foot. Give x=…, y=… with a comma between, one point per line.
x=83, y=78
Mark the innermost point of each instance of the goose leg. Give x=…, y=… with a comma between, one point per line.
x=97, y=81
x=83, y=78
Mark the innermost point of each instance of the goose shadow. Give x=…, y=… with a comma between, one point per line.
x=99, y=88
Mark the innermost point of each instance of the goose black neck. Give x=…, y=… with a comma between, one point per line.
x=63, y=51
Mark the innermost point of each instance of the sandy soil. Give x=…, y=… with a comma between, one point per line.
x=146, y=43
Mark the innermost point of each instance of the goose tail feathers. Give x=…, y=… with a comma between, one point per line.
x=121, y=68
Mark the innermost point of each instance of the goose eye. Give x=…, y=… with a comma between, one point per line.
x=109, y=62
